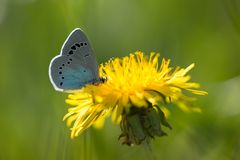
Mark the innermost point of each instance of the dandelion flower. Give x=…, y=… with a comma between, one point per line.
x=134, y=94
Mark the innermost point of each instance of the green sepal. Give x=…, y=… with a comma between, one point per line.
x=155, y=123
x=139, y=125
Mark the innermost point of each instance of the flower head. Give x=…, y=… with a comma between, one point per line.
x=134, y=93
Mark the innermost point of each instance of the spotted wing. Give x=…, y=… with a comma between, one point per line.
x=76, y=65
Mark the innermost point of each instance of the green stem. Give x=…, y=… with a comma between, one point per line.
x=148, y=150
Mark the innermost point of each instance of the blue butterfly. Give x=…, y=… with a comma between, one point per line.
x=76, y=65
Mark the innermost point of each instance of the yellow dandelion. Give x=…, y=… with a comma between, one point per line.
x=135, y=94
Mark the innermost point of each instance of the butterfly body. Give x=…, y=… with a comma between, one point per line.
x=76, y=65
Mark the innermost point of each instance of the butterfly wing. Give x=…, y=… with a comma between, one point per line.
x=76, y=65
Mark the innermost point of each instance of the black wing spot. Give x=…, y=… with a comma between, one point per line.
x=70, y=52
x=81, y=44
x=62, y=77
x=60, y=72
x=84, y=70
x=85, y=43
x=78, y=45
x=73, y=47
x=70, y=59
x=61, y=83
x=63, y=64
x=68, y=62
x=60, y=67
x=86, y=55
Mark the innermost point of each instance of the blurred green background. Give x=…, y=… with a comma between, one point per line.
x=32, y=32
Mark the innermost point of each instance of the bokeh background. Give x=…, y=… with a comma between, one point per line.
x=32, y=32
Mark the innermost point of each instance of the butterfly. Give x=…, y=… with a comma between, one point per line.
x=76, y=64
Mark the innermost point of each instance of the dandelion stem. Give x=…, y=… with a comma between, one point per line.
x=90, y=145
x=85, y=146
x=149, y=151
